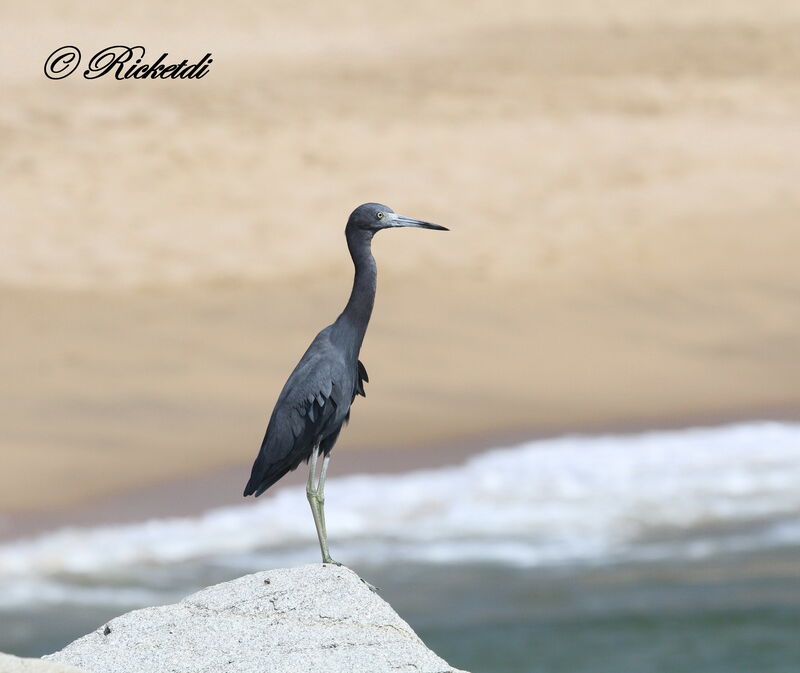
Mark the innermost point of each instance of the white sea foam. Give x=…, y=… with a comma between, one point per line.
x=575, y=499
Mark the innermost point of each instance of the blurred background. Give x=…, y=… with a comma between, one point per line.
x=581, y=411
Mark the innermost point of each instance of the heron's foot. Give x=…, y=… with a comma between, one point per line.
x=330, y=561
x=373, y=589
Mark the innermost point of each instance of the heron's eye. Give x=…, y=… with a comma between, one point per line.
x=380, y=216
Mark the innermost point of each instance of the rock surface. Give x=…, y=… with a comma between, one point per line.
x=11, y=664
x=306, y=619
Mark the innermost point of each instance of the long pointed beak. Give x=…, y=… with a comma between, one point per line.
x=403, y=221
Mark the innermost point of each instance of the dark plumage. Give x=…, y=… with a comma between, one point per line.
x=311, y=410
x=315, y=402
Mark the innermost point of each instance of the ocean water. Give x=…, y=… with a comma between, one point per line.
x=661, y=551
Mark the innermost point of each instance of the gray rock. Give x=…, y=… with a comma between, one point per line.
x=11, y=664
x=296, y=620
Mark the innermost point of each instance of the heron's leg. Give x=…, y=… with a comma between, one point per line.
x=319, y=499
x=321, y=492
x=311, y=494
x=314, y=499
x=312, y=468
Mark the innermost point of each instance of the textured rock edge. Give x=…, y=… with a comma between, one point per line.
x=305, y=600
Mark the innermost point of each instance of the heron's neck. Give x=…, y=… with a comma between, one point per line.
x=357, y=313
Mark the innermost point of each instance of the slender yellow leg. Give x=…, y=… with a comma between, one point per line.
x=316, y=499
x=321, y=493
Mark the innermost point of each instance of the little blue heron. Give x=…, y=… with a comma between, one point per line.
x=315, y=402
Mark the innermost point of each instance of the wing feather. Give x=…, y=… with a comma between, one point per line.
x=361, y=378
x=310, y=408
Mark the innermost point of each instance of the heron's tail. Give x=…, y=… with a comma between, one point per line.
x=256, y=487
x=262, y=477
x=269, y=468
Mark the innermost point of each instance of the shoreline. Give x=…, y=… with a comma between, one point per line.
x=194, y=494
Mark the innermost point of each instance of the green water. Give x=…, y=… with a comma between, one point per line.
x=715, y=616
x=739, y=615
x=752, y=641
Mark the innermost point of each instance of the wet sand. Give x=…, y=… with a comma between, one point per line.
x=620, y=185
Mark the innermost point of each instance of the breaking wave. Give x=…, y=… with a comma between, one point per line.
x=662, y=495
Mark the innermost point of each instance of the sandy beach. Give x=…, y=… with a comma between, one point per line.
x=620, y=182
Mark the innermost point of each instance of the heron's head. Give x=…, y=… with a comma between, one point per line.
x=373, y=217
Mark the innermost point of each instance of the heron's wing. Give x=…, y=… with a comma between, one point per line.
x=307, y=411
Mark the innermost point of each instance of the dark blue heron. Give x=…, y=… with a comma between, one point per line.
x=315, y=402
